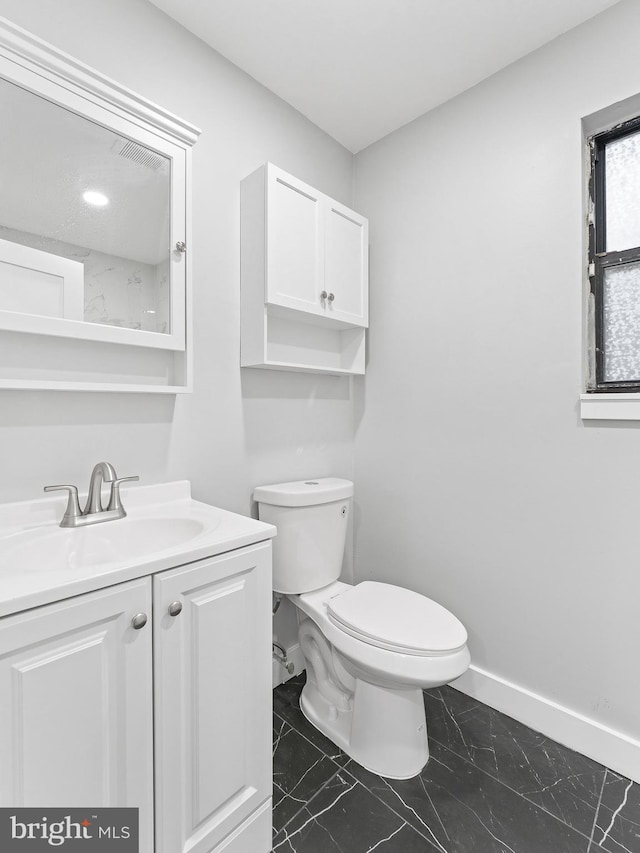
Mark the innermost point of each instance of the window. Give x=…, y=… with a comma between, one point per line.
x=614, y=259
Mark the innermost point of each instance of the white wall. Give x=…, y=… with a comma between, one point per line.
x=239, y=428
x=476, y=481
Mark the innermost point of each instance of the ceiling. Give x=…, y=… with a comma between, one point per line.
x=360, y=69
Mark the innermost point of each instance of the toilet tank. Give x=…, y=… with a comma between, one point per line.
x=311, y=517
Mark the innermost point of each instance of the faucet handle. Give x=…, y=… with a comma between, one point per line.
x=114, y=500
x=73, y=511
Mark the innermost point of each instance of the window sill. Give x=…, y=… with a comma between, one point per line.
x=610, y=407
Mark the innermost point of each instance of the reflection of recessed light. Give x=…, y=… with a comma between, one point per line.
x=98, y=199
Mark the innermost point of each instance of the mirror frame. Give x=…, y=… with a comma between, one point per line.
x=41, y=68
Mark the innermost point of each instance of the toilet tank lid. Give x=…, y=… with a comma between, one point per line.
x=305, y=492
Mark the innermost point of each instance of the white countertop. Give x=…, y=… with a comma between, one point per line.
x=41, y=562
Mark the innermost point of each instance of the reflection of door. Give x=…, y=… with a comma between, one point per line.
x=39, y=283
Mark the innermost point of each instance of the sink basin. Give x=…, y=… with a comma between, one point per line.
x=41, y=562
x=123, y=540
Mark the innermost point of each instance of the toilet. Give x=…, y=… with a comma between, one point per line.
x=370, y=648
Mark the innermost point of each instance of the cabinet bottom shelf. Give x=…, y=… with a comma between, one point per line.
x=305, y=347
x=304, y=368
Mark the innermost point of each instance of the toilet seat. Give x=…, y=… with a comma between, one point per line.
x=396, y=619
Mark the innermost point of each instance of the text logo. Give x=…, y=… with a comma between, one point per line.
x=103, y=830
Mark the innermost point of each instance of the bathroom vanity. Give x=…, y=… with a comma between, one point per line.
x=135, y=667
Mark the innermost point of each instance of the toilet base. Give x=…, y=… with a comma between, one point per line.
x=384, y=730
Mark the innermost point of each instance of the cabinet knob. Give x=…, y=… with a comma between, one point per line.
x=324, y=294
x=139, y=621
x=331, y=297
x=175, y=608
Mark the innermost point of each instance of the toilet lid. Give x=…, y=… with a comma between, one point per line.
x=397, y=619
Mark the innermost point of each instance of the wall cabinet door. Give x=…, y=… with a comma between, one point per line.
x=212, y=665
x=295, y=225
x=346, y=264
x=317, y=252
x=76, y=705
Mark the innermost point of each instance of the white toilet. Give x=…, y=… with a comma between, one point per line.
x=370, y=649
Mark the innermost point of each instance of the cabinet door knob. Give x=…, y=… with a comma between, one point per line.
x=324, y=294
x=139, y=621
x=175, y=608
x=331, y=297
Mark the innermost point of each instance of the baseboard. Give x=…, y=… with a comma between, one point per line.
x=614, y=749
x=280, y=674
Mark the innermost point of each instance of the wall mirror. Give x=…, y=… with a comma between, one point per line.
x=93, y=203
x=94, y=246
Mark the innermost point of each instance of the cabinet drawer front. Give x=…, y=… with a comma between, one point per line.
x=213, y=697
x=75, y=705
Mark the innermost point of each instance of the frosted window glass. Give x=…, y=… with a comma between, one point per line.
x=622, y=163
x=622, y=323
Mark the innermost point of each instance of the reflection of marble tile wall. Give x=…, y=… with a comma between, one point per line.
x=117, y=291
x=162, y=291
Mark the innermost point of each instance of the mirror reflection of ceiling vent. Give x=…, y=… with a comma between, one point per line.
x=139, y=154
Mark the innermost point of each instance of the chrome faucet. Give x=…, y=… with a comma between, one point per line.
x=103, y=472
x=93, y=512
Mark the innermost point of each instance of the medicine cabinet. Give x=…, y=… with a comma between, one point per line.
x=94, y=228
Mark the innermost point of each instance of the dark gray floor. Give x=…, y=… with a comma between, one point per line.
x=492, y=785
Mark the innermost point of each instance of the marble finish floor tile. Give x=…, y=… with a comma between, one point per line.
x=299, y=770
x=562, y=781
x=617, y=828
x=492, y=785
x=344, y=817
x=459, y=809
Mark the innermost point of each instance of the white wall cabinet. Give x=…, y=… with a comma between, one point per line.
x=84, y=696
x=304, y=271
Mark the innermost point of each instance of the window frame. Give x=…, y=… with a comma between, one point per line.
x=599, y=259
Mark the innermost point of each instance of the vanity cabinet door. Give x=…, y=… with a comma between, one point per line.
x=212, y=666
x=75, y=705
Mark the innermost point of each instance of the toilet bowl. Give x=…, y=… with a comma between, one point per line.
x=370, y=648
